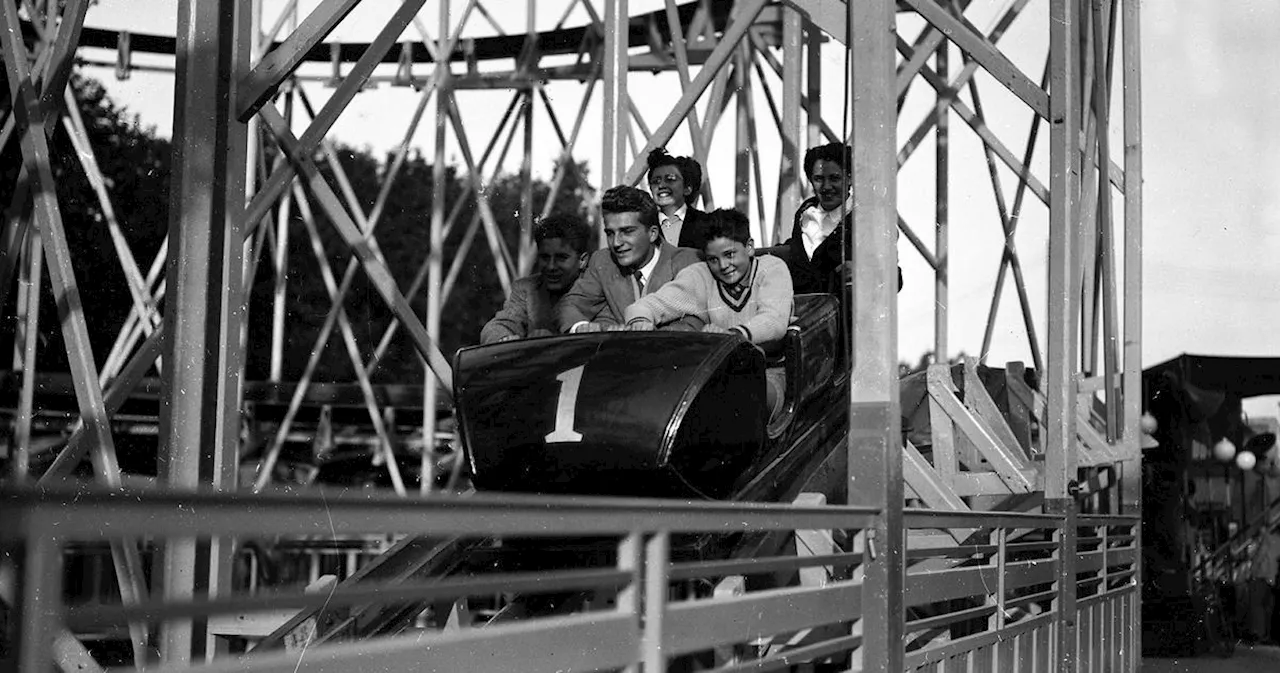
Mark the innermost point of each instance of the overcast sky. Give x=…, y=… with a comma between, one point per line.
x=1211, y=146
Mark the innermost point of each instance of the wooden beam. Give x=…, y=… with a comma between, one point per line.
x=1000, y=457
x=978, y=401
x=260, y=84
x=986, y=54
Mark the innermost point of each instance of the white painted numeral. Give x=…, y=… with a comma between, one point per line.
x=566, y=406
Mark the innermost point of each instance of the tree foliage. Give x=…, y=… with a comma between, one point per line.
x=136, y=164
x=927, y=358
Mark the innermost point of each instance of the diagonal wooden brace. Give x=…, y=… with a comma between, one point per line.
x=978, y=401
x=1001, y=457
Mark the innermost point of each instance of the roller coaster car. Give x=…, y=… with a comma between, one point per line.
x=654, y=414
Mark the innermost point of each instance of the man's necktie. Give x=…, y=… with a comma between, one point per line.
x=639, y=283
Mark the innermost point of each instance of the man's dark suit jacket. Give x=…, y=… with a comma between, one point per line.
x=693, y=233
x=603, y=291
x=818, y=274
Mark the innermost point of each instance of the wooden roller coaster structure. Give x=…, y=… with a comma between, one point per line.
x=1009, y=540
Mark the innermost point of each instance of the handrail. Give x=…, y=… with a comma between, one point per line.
x=1093, y=520
x=1249, y=532
x=92, y=514
x=928, y=518
x=94, y=616
x=642, y=535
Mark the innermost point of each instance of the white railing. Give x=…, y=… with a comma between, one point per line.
x=735, y=586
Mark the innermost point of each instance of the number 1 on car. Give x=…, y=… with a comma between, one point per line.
x=566, y=406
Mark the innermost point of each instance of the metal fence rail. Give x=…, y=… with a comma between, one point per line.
x=656, y=589
x=995, y=601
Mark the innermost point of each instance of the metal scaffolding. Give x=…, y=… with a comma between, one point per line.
x=240, y=82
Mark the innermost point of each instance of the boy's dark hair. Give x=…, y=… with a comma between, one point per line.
x=624, y=199
x=689, y=169
x=570, y=228
x=838, y=153
x=728, y=223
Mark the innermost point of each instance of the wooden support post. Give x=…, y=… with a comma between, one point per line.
x=1131, y=469
x=1059, y=425
x=875, y=440
x=791, y=178
x=813, y=82
x=742, y=156
x=200, y=401
x=615, y=94
x=941, y=297
x=435, y=258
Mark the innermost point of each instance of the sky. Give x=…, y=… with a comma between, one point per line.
x=1211, y=255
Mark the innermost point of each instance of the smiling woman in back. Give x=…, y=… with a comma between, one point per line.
x=675, y=183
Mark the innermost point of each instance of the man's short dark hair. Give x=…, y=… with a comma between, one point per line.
x=837, y=153
x=728, y=223
x=624, y=199
x=569, y=228
x=689, y=169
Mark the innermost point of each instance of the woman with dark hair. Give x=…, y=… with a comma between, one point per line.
x=675, y=183
x=821, y=238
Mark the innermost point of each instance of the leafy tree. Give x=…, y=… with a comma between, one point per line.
x=403, y=236
x=135, y=165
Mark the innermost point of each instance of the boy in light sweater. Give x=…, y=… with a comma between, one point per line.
x=735, y=292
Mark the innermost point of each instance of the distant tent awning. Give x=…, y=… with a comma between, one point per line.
x=1239, y=376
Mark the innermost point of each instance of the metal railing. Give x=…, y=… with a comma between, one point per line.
x=997, y=601
x=1232, y=559
x=734, y=586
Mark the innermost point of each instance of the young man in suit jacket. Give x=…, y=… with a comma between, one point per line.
x=675, y=183
x=636, y=261
x=530, y=310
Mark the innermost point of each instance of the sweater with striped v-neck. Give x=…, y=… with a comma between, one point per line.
x=761, y=312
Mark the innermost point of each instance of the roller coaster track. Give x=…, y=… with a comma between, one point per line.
x=412, y=558
x=642, y=30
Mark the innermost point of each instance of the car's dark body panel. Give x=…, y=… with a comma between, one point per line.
x=656, y=414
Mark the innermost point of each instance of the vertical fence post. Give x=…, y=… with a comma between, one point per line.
x=39, y=599
x=1002, y=541
x=875, y=442
x=657, y=558
x=629, y=550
